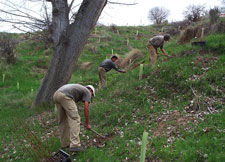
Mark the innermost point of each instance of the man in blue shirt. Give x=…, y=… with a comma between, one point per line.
x=106, y=66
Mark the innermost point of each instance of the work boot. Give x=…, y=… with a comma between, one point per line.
x=76, y=149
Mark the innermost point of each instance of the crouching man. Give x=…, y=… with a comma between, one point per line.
x=105, y=67
x=65, y=99
x=153, y=45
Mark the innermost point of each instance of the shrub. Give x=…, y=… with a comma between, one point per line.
x=7, y=48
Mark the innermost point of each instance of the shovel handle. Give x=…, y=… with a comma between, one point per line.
x=93, y=131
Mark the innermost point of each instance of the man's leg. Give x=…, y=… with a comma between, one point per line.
x=152, y=55
x=102, y=77
x=73, y=121
x=62, y=120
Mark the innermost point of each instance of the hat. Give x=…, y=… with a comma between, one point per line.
x=92, y=88
x=167, y=36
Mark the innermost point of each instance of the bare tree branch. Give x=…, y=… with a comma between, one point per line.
x=194, y=12
x=119, y=3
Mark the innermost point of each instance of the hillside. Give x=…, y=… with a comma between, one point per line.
x=180, y=102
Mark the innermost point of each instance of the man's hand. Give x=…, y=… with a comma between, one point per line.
x=124, y=71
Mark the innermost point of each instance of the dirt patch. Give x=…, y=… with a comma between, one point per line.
x=204, y=61
x=169, y=124
x=98, y=141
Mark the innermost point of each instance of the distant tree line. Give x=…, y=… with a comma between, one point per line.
x=194, y=13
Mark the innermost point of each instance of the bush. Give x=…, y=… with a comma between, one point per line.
x=7, y=49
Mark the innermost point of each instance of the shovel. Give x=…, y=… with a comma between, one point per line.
x=94, y=131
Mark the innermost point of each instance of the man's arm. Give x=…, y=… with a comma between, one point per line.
x=164, y=52
x=86, y=114
x=116, y=68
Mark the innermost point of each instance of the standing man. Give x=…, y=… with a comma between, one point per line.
x=153, y=45
x=106, y=66
x=66, y=98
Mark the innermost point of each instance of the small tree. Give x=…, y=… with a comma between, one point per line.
x=158, y=15
x=194, y=12
x=214, y=14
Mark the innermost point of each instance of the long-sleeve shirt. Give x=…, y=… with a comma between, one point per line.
x=108, y=64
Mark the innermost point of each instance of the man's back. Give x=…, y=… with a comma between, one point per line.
x=76, y=91
x=108, y=64
x=157, y=41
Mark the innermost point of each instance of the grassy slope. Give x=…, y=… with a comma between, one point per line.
x=164, y=103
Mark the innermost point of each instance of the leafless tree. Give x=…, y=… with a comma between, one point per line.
x=69, y=36
x=194, y=12
x=214, y=15
x=158, y=14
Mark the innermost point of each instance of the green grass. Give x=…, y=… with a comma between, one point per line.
x=128, y=106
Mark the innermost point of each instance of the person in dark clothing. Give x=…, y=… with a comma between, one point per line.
x=106, y=66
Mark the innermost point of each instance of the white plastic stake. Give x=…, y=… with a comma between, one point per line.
x=137, y=32
x=118, y=32
x=202, y=35
x=127, y=41
x=3, y=78
x=112, y=51
x=141, y=71
x=143, y=146
x=18, y=85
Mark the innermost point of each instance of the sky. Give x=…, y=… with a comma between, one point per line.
x=131, y=15
x=138, y=14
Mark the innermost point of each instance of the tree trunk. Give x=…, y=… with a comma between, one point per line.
x=69, y=41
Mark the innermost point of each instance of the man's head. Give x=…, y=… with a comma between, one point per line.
x=166, y=37
x=114, y=58
x=91, y=89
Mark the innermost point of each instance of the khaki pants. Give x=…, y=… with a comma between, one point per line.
x=69, y=120
x=152, y=54
x=102, y=77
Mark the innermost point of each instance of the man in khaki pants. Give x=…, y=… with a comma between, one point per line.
x=153, y=45
x=106, y=66
x=65, y=99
